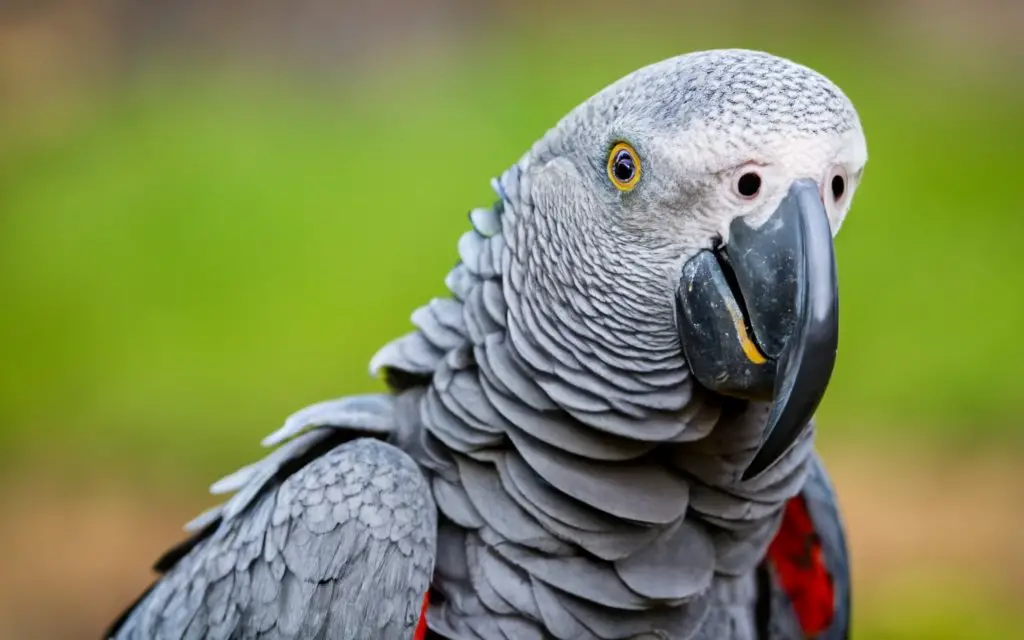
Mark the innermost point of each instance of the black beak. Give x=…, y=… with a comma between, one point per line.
x=759, y=317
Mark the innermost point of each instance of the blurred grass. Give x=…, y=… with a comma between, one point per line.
x=938, y=612
x=193, y=256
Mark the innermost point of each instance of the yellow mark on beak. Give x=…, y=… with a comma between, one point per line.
x=749, y=348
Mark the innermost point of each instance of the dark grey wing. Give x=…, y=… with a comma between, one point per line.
x=327, y=537
x=804, y=598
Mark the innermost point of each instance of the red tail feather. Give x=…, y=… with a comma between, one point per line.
x=799, y=562
x=421, y=626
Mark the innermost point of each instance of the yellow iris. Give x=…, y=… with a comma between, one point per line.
x=623, y=166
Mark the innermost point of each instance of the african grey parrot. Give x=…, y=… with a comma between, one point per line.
x=605, y=431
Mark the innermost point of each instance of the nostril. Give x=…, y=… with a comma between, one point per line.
x=838, y=187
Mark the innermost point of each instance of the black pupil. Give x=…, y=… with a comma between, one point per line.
x=838, y=187
x=749, y=184
x=623, y=167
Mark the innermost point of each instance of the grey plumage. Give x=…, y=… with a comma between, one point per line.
x=548, y=458
x=296, y=564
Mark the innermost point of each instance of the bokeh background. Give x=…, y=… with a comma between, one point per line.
x=213, y=213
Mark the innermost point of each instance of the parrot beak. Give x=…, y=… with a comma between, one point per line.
x=759, y=317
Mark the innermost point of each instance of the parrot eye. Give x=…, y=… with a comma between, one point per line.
x=623, y=166
x=748, y=185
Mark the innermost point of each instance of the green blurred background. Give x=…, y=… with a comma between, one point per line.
x=212, y=214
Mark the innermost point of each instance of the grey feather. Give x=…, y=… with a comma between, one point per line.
x=553, y=429
x=617, y=540
x=450, y=429
x=204, y=519
x=453, y=501
x=475, y=253
x=369, y=413
x=451, y=566
x=573, y=397
x=526, y=326
x=594, y=582
x=500, y=512
x=741, y=544
x=460, y=281
x=660, y=427
x=555, y=503
x=494, y=302
x=556, y=617
x=725, y=506
x=479, y=322
x=731, y=615
x=669, y=622
x=639, y=492
x=357, y=516
x=442, y=323
x=465, y=396
x=270, y=466
x=502, y=370
x=487, y=593
x=700, y=416
x=412, y=353
x=677, y=565
x=510, y=583
x=485, y=221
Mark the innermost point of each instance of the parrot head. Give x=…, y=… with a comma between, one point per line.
x=694, y=203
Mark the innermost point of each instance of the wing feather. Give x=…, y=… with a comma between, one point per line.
x=343, y=543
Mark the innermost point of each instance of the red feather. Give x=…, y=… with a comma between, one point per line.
x=799, y=562
x=421, y=627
